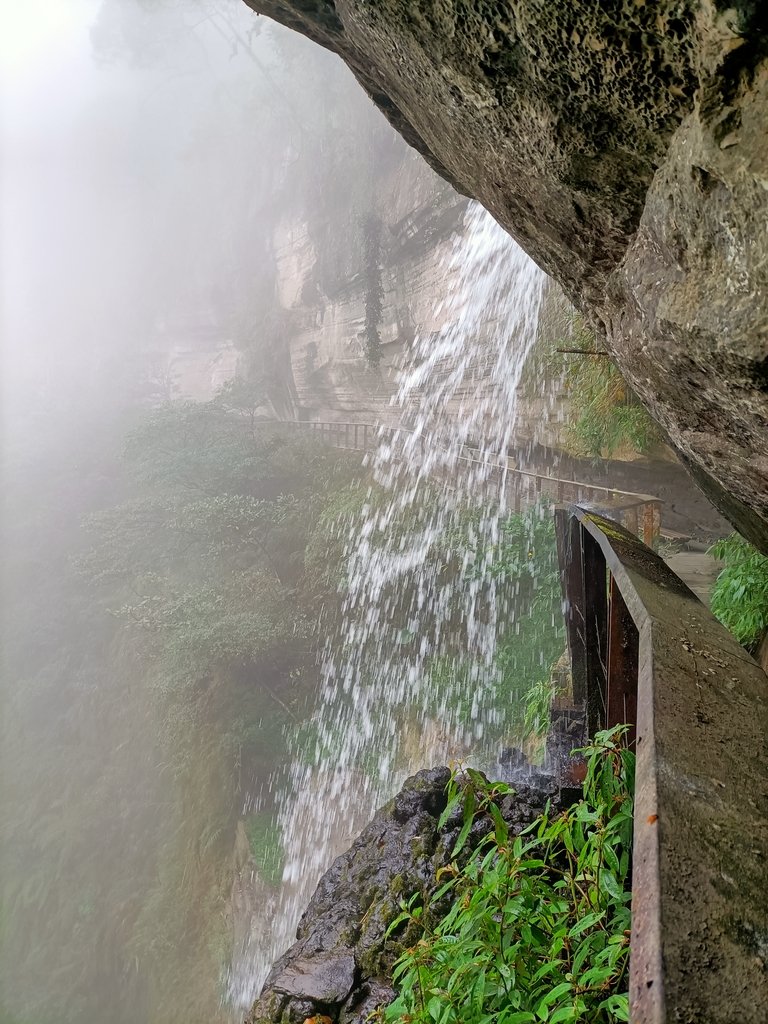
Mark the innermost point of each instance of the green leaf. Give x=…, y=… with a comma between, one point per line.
x=617, y=1006
x=405, y=916
x=588, y=921
x=556, y=993
x=610, y=885
x=564, y=1013
x=611, y=859
x=435, y=1007
x=501, y=830
x=469, y=809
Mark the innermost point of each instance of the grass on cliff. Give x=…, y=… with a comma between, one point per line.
x=605, y=417
x=538, y=924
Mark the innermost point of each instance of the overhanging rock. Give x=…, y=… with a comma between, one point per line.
x=625, y=146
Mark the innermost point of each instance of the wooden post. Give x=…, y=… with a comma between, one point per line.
x=623, y=651
x=648, y=523
x=595, y=613
x=568, y=536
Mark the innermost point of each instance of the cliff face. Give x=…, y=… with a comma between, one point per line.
x=321, y=289
x=322, y=292
x=624, y=147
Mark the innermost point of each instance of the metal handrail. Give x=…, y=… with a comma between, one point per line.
x=640, y=513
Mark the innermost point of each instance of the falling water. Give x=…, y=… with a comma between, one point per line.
x=382, y=714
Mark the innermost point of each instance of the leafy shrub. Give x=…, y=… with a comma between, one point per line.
x=538, y=924
x=740, y=594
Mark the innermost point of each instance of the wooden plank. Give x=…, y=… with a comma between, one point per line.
x=649, y=532
x=568, y=538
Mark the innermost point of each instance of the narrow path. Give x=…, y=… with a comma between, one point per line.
x=697, y=570
x=645, y=495
x=686, y=509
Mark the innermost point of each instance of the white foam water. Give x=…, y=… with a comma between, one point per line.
x=383, y=714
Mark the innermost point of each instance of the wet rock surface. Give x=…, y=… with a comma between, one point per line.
x=340, y=966
x=624, y=145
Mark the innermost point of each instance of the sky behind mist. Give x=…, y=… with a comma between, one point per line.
x=103, y=199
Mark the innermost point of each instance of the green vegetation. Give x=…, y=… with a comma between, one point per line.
x=207, y=565
x=534, y=927
x=740, y=594
x=529, y=646
x=204, y=569
x=607, y=416
x=265, y=840
x=522, y=567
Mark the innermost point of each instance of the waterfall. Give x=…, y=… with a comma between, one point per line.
x=382, y=715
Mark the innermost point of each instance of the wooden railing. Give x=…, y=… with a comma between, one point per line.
x=645, y=651
x=639, y=513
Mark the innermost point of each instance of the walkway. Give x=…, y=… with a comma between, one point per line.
x=640, y=513
x=697, y=570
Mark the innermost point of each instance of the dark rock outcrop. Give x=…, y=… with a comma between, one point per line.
x=340, y=966
x=625, y=146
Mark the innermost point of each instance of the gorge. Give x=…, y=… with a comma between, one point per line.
x=228, y=636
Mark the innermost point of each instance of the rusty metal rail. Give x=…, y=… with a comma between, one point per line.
x=644, y=650
x=639, y=513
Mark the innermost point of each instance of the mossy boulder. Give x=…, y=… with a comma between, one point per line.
x=340, y=966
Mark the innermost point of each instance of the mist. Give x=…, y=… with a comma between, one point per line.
x=148, y=150
x=251, y=342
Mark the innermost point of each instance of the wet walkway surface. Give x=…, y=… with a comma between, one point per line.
x=686, y=510
x=697, y=570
